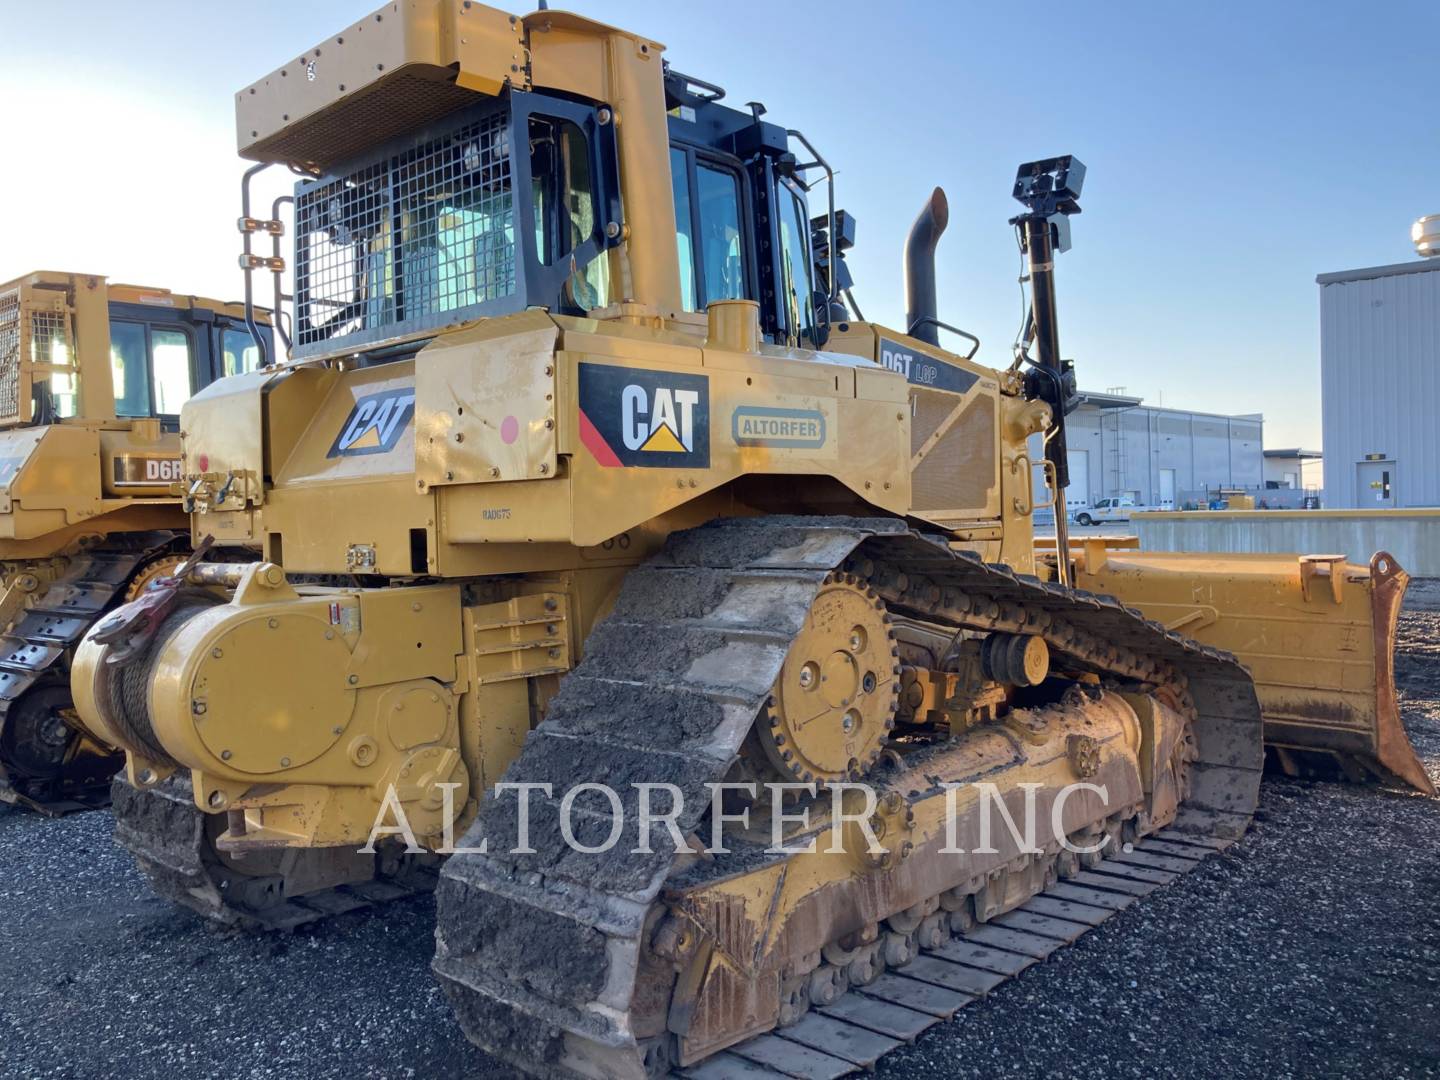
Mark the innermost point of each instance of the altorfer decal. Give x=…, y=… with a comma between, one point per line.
x=785, y=429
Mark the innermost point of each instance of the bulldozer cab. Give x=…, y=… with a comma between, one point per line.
x=742, y=221
x=73, y=348
x=500, y=188
x=163, y=348
x=497, y=207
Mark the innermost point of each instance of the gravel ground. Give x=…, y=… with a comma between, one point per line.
x=1311, y=948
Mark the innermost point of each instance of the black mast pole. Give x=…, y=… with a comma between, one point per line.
x=1050, y=191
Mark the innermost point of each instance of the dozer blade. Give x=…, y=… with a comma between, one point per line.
x=1316, y=631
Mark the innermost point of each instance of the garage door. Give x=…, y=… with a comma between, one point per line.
x=1078, y=493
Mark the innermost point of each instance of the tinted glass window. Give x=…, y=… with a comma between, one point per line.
x=565, y=207
x=129, y=369
x=241, y=354
x=170, y=359
x=795, y=256
x=718, y=193
x=684, y=240
x=65, y=393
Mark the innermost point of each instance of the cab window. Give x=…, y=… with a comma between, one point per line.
x=65, y=393
x=242, y=355
x=565, y=207
x=709, y=243
x=798, y=293
x=129, y=369
x=684, y=227
x=718, y=192
x=171, y=362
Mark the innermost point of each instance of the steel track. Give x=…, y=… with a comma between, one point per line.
x=534, y=948
x=173, y=842
x=35, y=653
x=868, y=1022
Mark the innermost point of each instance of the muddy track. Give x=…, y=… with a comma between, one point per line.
x=35, y=657
x=540, y=951
x=856, y=1030
x=174, y=845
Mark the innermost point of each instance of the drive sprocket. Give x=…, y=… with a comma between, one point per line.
x=834, y=703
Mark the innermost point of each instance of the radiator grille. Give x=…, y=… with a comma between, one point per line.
x=403, y=243
x=10, y=355
x=958, y=477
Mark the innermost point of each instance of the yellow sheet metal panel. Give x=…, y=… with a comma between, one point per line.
x=222, y=440
x=367, y=526
x=17, y=446
x=624, y=71
x=389, y=74
x=654, y=438
x=362, y=430
x=485, y=403
x=133, y=466
x=62, y=472
x=514, y=512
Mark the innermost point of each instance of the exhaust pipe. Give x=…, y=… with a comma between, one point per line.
x=921, y=306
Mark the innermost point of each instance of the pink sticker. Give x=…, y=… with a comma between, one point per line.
x=509, y=430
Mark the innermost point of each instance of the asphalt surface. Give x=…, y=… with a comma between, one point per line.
x=1311, y=948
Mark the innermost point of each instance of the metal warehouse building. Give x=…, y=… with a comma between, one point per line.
x=1165, y=458
x=1380, y=385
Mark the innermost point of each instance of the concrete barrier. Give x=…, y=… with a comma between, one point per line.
x=1412, y=536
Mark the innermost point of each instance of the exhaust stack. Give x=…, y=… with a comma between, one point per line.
x=921, y=306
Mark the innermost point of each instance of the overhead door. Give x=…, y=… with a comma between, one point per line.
x=1078, y=493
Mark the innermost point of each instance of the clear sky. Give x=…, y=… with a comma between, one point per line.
x=1234, y=152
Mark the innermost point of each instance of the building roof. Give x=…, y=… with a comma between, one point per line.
x=1097, y=400
x=1294, y=452
x=1419, y=266
x=1108, y=401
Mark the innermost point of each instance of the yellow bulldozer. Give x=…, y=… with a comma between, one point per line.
x=92, y=380
x=606, y=549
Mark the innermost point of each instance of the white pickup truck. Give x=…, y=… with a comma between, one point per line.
x=1118, y=509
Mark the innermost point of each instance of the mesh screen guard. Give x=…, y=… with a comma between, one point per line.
x=441, y=227
x=10, y=355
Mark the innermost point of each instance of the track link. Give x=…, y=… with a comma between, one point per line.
x=543, y=953
x=35, y=654
x=173, y=842
x=855, y=1031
